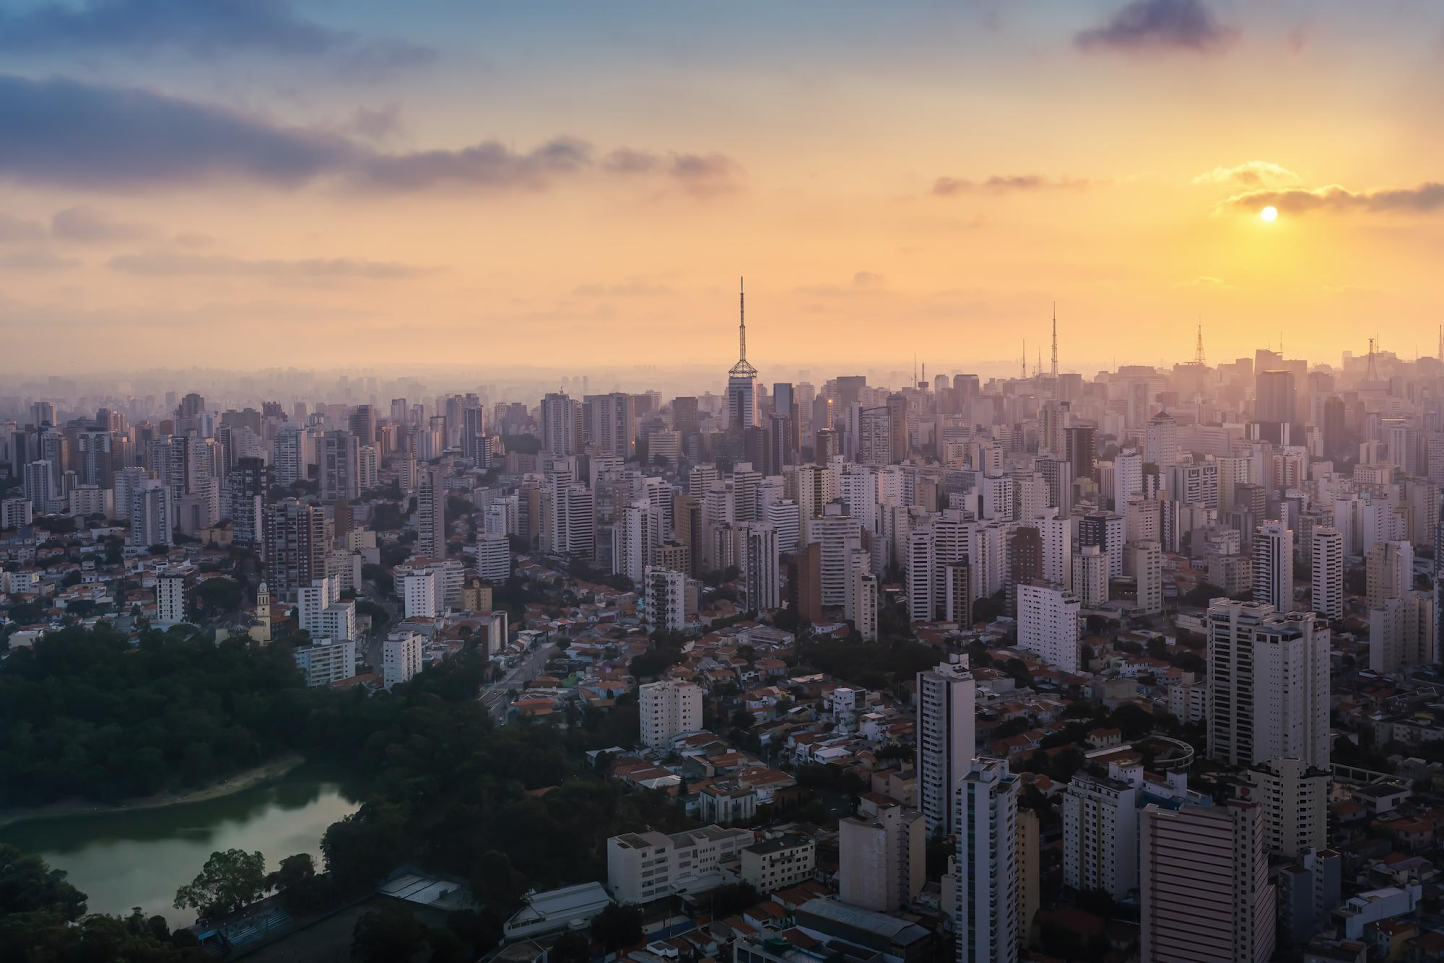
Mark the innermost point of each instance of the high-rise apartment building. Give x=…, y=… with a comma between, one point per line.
x=882, y=856
x=1100, y=831
x=1326, y=573
x=1268, y=685
x=1204, y=885
x=984, y=873
x=1048, y=624
x=1273, y=565
x=1295, y=801
x=946, y=739
x=668, y=709
x=431, y=514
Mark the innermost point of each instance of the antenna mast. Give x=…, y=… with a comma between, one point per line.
x=1055, y=341
x=1198, y=350
x=1024, y=359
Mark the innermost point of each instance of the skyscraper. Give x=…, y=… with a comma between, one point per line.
x=985, y=871
x=1268, y=684
x=742, y=379
x=431, y=514
x=1204, y=885
x=1327, y=573
x=1273, y=565
x=946, y=739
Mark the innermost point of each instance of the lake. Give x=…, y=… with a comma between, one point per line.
x=140, y=857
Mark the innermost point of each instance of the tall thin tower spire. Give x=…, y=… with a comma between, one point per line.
x=741, y=319
x=1055, y=340
x=742, y=369
x=1198, y=351
x=1024, y=360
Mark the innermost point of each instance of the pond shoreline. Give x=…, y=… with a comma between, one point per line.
x=246, y=779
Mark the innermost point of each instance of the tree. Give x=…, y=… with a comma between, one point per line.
x=573, y=947
x=389, y=935
x=28, y=885
x=617, y=926
x=297, y=883
x=229, y=881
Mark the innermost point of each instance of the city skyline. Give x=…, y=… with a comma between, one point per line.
x=486, y=186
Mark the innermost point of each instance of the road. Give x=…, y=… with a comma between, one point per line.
x=494, y=696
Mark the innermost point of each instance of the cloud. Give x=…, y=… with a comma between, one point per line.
x=38, y=259
x=1004, y=184
x=1249, y=173
x=1147, y=25
x=625, y=160
x=376, y=124
x=202, y=28
x=490, y=164
x=703, y=175
x=1205, y=281
x=160, y=264
x=66, y=133
x=1423, y=199
x=13, y=228
x=89, y=224
x=866, y=279
x=629, y=289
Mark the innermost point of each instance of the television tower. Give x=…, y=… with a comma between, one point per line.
x=1024, y=366
x=742, y=369
x=1055, y=342
x=1198, y=351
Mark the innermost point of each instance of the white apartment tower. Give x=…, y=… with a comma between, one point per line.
x=1268, y=685
x=669, y=709
x=1100, y=831
x=1273, y=565
x=985, y=870
x=1295, y=800
x=493, y=557
x=946, y=738
x=431, y=514
x=1327, y=573
x=400, y=658
x=1048, y=624
x=1148, y=576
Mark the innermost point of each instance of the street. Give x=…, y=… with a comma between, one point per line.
x=494, y=696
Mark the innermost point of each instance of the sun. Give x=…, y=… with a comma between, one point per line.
x=1269, y=213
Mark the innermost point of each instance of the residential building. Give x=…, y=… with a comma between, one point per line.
x=984, y=873
x=882, y=855
x=668, y=709
x=946, y=739
x=1204, y=885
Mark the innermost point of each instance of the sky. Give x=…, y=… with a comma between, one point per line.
x=264, y=183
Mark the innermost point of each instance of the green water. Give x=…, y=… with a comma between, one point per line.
x=139, y=858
